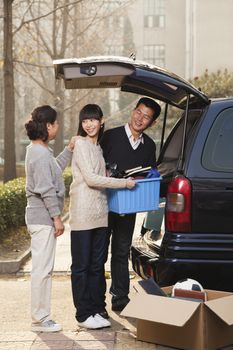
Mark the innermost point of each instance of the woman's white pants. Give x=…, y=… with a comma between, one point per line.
x=43, y=245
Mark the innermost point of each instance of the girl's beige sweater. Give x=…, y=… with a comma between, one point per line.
x=88, y=198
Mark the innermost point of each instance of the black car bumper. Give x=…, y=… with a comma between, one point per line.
x=208, y=260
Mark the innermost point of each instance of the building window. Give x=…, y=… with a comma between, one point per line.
x=155, y=54
x=154, y=14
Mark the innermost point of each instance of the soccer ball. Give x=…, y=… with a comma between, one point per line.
x=187, y=284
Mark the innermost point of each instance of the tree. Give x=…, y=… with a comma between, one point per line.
x=9, y=91
x=9, y=100
x=59, y=29
x=215, y=84
x=47, y=30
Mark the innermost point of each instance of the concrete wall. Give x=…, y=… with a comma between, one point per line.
x=213, y=35
x=198, y=35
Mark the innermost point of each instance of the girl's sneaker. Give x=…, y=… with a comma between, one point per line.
x=102, y=321
x=90, y=323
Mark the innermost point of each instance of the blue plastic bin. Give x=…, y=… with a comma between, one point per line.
x=143, y=197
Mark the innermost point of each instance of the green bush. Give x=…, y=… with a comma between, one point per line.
x=13, y=201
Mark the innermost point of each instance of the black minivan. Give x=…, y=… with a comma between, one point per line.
x=195, y=161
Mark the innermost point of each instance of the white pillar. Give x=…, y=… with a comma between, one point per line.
x=190, y=45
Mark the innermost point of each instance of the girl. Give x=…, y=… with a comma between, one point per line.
x=89, y=219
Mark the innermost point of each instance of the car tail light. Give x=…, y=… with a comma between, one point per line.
x=178, y=205
x=149, y=271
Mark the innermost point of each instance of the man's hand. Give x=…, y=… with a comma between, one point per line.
x=58, y=225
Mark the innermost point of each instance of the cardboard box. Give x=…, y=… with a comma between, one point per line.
x=181, y=323
x=143, y=197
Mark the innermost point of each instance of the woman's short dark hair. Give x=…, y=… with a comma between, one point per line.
x=90, y=111
x=36, y=127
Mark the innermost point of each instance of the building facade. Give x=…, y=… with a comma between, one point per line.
x=184, y=36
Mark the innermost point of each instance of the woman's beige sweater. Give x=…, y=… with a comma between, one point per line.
x=88, y=199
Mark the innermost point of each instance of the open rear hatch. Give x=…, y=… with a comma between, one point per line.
x=132, y=76
x=129, y=75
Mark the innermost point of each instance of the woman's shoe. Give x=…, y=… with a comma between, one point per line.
x=90, y=323
x=102, y=321
x=46, y=326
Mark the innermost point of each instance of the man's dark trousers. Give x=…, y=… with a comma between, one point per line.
x=121, y=229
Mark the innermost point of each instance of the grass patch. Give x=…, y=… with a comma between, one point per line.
x=14, y=243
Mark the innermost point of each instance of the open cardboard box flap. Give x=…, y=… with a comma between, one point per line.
x=221, y=308
x=184, y=324
x=175, y=312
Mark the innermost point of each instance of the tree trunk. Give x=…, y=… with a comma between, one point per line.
x=9, y=102
x=59, y=103
x=59, y=95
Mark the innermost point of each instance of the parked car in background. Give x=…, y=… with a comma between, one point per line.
x=196, y=164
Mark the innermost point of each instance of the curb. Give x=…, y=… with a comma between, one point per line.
x=13, y=266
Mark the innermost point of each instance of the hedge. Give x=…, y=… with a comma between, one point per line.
x=13, y=201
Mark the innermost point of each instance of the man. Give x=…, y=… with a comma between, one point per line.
x=128, y=147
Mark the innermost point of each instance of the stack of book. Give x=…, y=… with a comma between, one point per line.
x=138, y=172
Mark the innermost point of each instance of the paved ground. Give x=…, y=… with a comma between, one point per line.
x=15, y=322
x=15, y=314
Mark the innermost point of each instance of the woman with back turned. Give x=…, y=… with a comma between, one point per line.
x=45, y=195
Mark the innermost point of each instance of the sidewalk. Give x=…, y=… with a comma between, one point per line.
x=15, y=322
x=15, y=313
x=63, y=255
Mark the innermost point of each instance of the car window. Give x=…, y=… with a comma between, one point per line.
x=218, y=150
x=171, y=151
x=173, y=115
